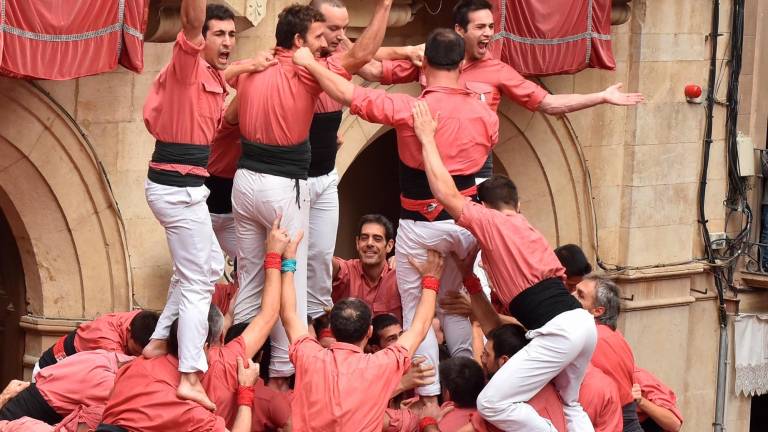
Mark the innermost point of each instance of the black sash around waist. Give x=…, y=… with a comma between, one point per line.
x=323, y=142
x=486, y=171
x=184, y=154
x=220, y=199
x=282, y=161
x=541, y=302
x=30, y=403
x=414, y=185
x=110, y=428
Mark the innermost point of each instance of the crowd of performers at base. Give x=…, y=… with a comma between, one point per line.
x=474, y=323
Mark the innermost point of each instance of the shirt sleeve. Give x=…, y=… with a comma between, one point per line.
x=378, y=106
x=514, y=86
x=185, y=59
x=398, y=72
x=332, y=63
x=477, y=220
x=341, y=281
x=304, y=346
x=394, y=360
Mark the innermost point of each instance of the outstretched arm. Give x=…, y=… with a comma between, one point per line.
x=565, y=103
x=260, y=326
x=192, y=20
x=425, y=311
x=247, y=375
x=295, y=327
x=336, y=86
x=662, y=416
x=440, y=181
x=369, y=42
x=258, y=63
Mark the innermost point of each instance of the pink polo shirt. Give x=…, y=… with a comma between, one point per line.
x=455, y=419
x=486, y=78
x=222, y=295
x=26, y=424
x=381, y=297
x=184, y=104
x=466, y=132
x=271, y=408
x=517, y=256
x=657, y=392
x=220, y=381
x=277, y=104
x=614, y=357
x=109, y=332
x=144, y=400
x=225, y=151
x=599, y=397
x=86, y=378
x=341, y=388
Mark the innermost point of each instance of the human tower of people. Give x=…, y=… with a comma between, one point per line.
x=305, y=341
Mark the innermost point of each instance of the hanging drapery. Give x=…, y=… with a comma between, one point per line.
x=549, y=37
x=751, y=349
x=64, y=39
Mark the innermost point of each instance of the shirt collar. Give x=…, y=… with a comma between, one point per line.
x=384, y=269
x=445, y=90
x=345, y=347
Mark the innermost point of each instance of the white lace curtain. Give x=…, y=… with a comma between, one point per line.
x=751, y=347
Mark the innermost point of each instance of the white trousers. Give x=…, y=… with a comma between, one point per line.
x=197, y=264
x=323, y=223
x=256, y=200
x=413, y=239
x=224, y=227
x=559, y=352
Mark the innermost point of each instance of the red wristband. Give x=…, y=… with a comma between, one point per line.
x=430, y=283
x=245, y=395
x=472, y=284
x=273, y=260
x=426, y=421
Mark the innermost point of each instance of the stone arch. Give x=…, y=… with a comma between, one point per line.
x=60, y=208
x=540, y=153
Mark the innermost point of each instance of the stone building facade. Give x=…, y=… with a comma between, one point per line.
x=77, y=238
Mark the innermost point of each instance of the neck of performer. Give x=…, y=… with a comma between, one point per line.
x=442, y=78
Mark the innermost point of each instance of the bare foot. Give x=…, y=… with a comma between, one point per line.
x=279, y=383
x=191, y=389
x=155, y=348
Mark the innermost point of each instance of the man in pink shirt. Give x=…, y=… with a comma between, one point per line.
x=386, y=329
x=600, y=399
x=144, y=397
x=83, y=379
x=613, y=355
x=466, y=135
x=488, y=78
x=369, y=277
x=220, y=381
x=657, y=407
x=529, y=281
x=274, y=109
x=182, y=112
x=124, y=332
x=341, y=387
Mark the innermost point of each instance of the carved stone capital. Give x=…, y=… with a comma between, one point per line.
x=164, y=21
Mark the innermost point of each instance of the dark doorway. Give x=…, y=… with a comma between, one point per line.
x=369, y=186
x=758, y=419
x=12, y=305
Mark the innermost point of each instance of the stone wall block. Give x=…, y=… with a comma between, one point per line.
x=105, y=97
x=669, y=123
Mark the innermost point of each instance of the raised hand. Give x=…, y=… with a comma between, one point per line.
x=247, y=373
x=303, y=56
x=290, y=251
x=278, y=239
x=416, y=55
x=432, y=267
x=614, y=96
x=419, y=374
x=262, y=60
x=423, y=123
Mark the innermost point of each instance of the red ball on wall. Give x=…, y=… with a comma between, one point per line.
x=692, y=91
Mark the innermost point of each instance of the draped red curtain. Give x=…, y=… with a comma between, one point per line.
x=549, y=37
x=64, y=39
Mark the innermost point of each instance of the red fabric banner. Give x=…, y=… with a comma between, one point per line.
x=550, y=37
x=65, y=39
